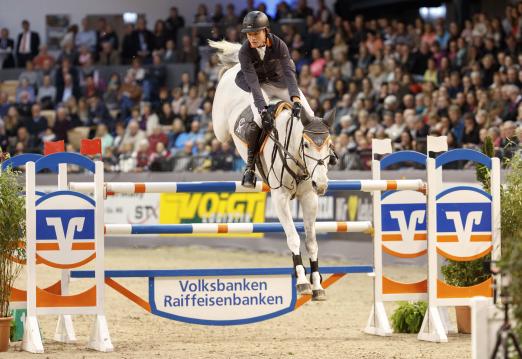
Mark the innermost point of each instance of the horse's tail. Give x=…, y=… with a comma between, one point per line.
x=227, y=53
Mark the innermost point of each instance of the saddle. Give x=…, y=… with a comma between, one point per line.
x=247, y=116
x=242, y=124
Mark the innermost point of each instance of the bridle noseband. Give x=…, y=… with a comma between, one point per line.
x=311, y=131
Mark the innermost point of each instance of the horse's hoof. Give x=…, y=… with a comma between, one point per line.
x=304, y=289
x=319, y=295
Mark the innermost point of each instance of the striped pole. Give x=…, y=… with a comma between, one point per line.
x=216, y=228
x=156, y=273
x=236, y=187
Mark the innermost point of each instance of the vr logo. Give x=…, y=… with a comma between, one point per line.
x=464, y=233
x=65, y=230
x=408, y=229
x=65, y=240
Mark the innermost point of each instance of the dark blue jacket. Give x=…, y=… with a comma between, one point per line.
x=277, y=68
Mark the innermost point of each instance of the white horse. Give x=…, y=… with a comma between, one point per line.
x=308, y=144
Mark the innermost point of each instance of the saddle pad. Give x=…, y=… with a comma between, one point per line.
x=245, y=117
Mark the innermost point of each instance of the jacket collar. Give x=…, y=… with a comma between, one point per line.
x=269, y=44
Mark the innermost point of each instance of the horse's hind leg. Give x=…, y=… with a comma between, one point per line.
x=309, y=205
x=281, y=202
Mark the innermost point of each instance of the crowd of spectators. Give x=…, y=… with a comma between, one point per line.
x=387, y=78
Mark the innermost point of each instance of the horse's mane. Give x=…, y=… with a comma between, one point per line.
x=227, y=53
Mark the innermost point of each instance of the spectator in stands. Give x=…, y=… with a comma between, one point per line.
x=183, y=159
x=160, y=36
x=156, y=76
x=11, y=122
x=86, y=37
x=37, y=124
x=142, y=41
x=169, y=55
x=25, y=88
x=149, y=119
x=156, y=137
x=62, y=124
x=193, y=136
x=106, y=138
x=108, y=55
x=133, y=136
x=173, y=23
x=106, y=34
x=68, y=89
x=126, y=160
x=142, y=156
x=166, y=116
x=98, y=113
x=159, y=160
x=29, y=74
x=224, y=160
x=130, y=95
x=42, y=57
x=7, y=46
x=201, y=16
x=27, y=45
x=187, y=52
x=127, y=46
x=230, y=18
x=177, y=129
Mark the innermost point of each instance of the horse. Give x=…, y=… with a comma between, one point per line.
x=297, y=169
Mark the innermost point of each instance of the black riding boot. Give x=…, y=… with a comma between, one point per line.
x=252, y=137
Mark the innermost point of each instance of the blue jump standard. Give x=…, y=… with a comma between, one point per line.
x=148, y=273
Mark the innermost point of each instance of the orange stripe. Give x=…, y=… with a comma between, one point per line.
x=54, y=246
x=326, y=283
x=391, y=185
x=481, y=238
x=83, y=246
x=39, y=259
x=85, y=299
x=390, y=286
x=398, y=237
x=139, y=188
x=455, y=238
x=484, y=289
x=266, y=188
x=47, y=246
x=110, y=193
x=464, y=259
x=222, y=228
x=342, y=227
x=127, y=293
x=19, y=295
x=404, y=255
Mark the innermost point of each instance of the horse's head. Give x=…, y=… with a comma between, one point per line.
x=316, y=148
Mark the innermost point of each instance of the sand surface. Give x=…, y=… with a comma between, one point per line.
x=331, y=329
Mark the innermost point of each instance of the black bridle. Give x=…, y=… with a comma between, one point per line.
x=285, y=155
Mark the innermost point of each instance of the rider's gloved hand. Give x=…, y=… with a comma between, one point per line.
x=296, y=108
x=266, y=120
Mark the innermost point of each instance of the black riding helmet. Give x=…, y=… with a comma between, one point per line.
x=255, y=21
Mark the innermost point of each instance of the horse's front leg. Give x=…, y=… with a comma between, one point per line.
x=281, y=202
x=309, y=201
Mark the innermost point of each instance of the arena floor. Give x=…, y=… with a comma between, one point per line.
x=331, y=329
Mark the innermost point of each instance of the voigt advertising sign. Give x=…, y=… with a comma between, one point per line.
x=222, y=300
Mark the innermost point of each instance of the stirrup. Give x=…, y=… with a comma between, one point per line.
x=249, y=179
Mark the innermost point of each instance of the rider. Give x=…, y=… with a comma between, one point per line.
x=265, y=64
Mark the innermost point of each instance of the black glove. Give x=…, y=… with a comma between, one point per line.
x=266, y=120
x=296, y=109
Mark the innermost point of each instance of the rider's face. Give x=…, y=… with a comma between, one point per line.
x=257, y=39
